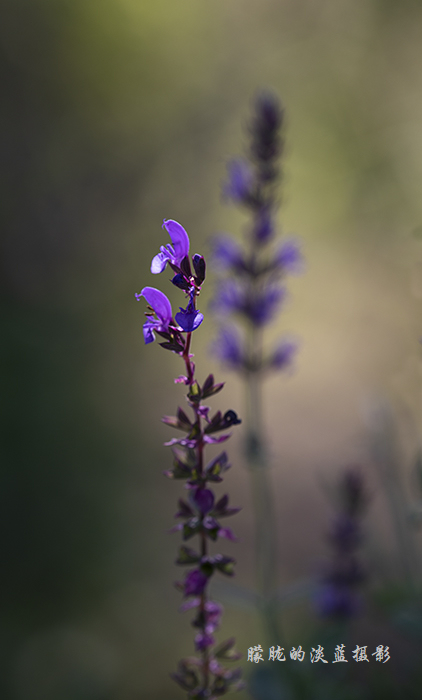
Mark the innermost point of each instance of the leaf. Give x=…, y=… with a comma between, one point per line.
x=187, y=556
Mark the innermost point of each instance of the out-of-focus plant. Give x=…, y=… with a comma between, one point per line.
x=249, y=294
x=203, y=676
x=337, y=596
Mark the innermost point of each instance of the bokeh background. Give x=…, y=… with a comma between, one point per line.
x=116, y=114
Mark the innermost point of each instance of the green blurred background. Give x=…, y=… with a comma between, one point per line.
x=114, y=115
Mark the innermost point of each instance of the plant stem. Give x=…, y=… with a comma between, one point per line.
x=258, y=465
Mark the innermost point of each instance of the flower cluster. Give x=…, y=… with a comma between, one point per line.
x=201, y=511
x=338, y=596
x=251, y=285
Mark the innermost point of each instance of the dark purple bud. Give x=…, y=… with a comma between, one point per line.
x=266, y=144
x=195, y=582
x=180, y=281
x=263, y=225
x=203, y=641
x=202, y=499
x=269, y=113
x=199, y=267
x=185, y=266
x=230, y=418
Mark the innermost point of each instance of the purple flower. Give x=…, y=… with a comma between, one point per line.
x=283, y=354
x=195, y=582
x=171, y=253
x=289, y=257
x=228, y=347
x=202, y=499
x=239, y=186
x=190, y=318
x=203, y=641
x=226, y=253
x=162, y=308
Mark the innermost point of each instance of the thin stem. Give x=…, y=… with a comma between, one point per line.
x=190, y=370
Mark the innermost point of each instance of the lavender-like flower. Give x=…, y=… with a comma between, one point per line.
x=338, y=594
x=249, y=295
x=251, y=285
x=203, y=676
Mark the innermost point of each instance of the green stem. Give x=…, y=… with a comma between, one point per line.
x=265, y=521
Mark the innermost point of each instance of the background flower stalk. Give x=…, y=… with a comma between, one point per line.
x=251, y=290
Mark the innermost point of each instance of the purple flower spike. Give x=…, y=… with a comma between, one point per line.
x=190, y=318
x=162, y=308
x=175, y=253
x=195, y=582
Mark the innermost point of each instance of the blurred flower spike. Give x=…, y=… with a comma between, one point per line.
x=251, y=284
x=338, y=595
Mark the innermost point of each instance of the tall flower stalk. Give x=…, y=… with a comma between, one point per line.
x=251, y=290
x=201, y=676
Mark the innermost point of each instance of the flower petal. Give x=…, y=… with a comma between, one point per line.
x=189, y=320
x=158, y=263
x=179, y=238
x=159, y=302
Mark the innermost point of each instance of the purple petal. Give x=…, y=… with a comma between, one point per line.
x=240, y=180
x=203, y=641
x=212, y=440
x=148, y=331
x=179, y=238
x=289, y=257
x=189, y=320
x=228, y=347
x=226, y=252
x=195, y=582
x=203, y=499
x=284, y=353
x=189, y=604
x=227, y=533
x=159, y=302
x=159, y=262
